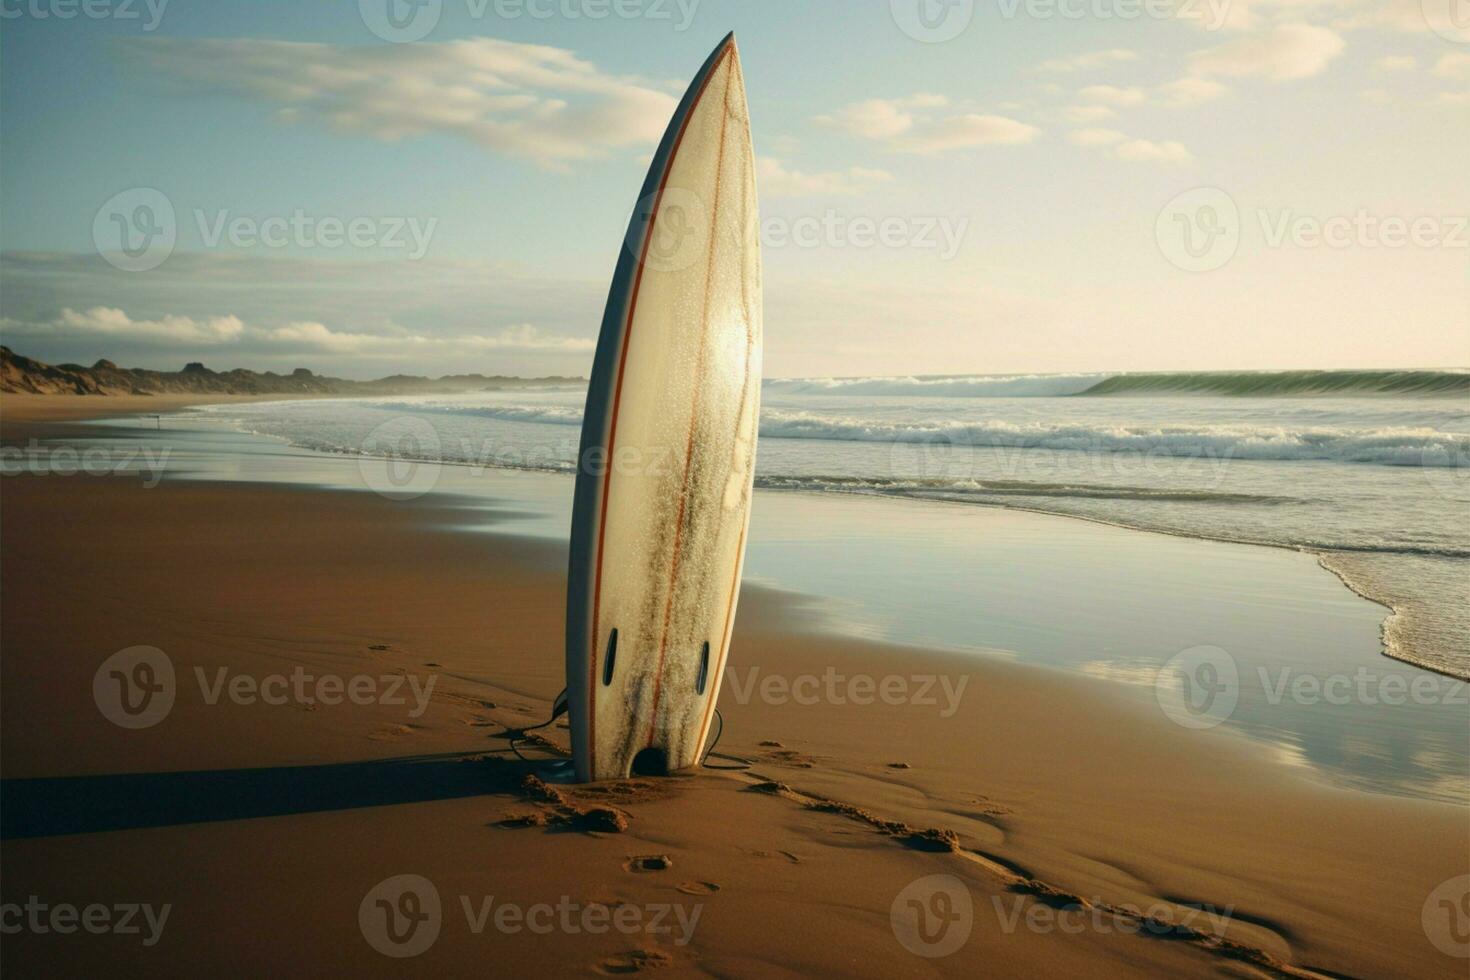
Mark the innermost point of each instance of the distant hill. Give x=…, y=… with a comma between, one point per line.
x=23, y=374
x=1265, y=384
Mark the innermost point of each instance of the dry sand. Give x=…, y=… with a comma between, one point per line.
x=264, y=827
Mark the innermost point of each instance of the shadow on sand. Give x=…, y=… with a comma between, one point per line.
x=89, y=804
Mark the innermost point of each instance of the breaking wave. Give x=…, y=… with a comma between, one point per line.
x=955, y=386
x=1238, y=384
x=1389, y=446
x=1266, y=384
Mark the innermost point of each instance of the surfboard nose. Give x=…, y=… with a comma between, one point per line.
x=727, y=43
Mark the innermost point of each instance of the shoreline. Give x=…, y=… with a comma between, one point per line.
x=81, y=403
x=1002, y=780
x=79, y=410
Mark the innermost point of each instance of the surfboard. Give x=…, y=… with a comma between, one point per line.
x=667, y=459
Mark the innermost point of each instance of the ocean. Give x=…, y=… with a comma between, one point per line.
x=1367, y=471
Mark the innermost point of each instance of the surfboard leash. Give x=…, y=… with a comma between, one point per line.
x=558, y=708
x=710, y=752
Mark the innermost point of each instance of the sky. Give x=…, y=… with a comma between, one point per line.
x=946, y=186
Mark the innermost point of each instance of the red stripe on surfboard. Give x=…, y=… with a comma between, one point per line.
x=617, y=400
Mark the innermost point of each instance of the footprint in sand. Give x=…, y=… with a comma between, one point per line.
x=698, y=888
x=378, y=646
x=634, y=961
x=452, y=697
x=649, y=862
x=777, y=854
x=388, y=734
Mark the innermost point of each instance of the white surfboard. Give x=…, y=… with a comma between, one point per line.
x=668, y=447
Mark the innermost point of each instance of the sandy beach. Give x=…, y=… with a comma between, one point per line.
x=1094, y=837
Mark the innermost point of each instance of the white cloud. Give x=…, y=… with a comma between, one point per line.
x=1454, y=98
x=1454, y=65
x=229, y=331
x=1408, y=16
x=1112, y=95
x=1088, y=61
x=523, y=336
x=526, y=100
x=1190, y=91
x=1168, y=151
x=1394, y=63
x=1376, y=96
x=1087, y=113
x=1120, y=147
x=1095, y=137
x=777, y=180
x=879, y=119
x=114, y=322
x=1280, y=54
x=913, y=125
x=1257, y=15
x=969, y=129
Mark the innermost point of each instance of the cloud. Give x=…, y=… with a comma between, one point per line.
x=1095, y=137
x=1190, y=91
x=526, y=100
x=879, y=119
x=1257, y=15
x=351, y=318
x=172, y=329
x=1120, y=147
x=1113, y=95
x=1281, y=54
x=1087, y=113
x=1454, y=65
x=777, y=180
x=229, y=331
x=970, y=129
x=913, y=125
x=1393, y=63
x=1168, y=151
x=1454, y=98
x=1408, y=16
x=1088, y=61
